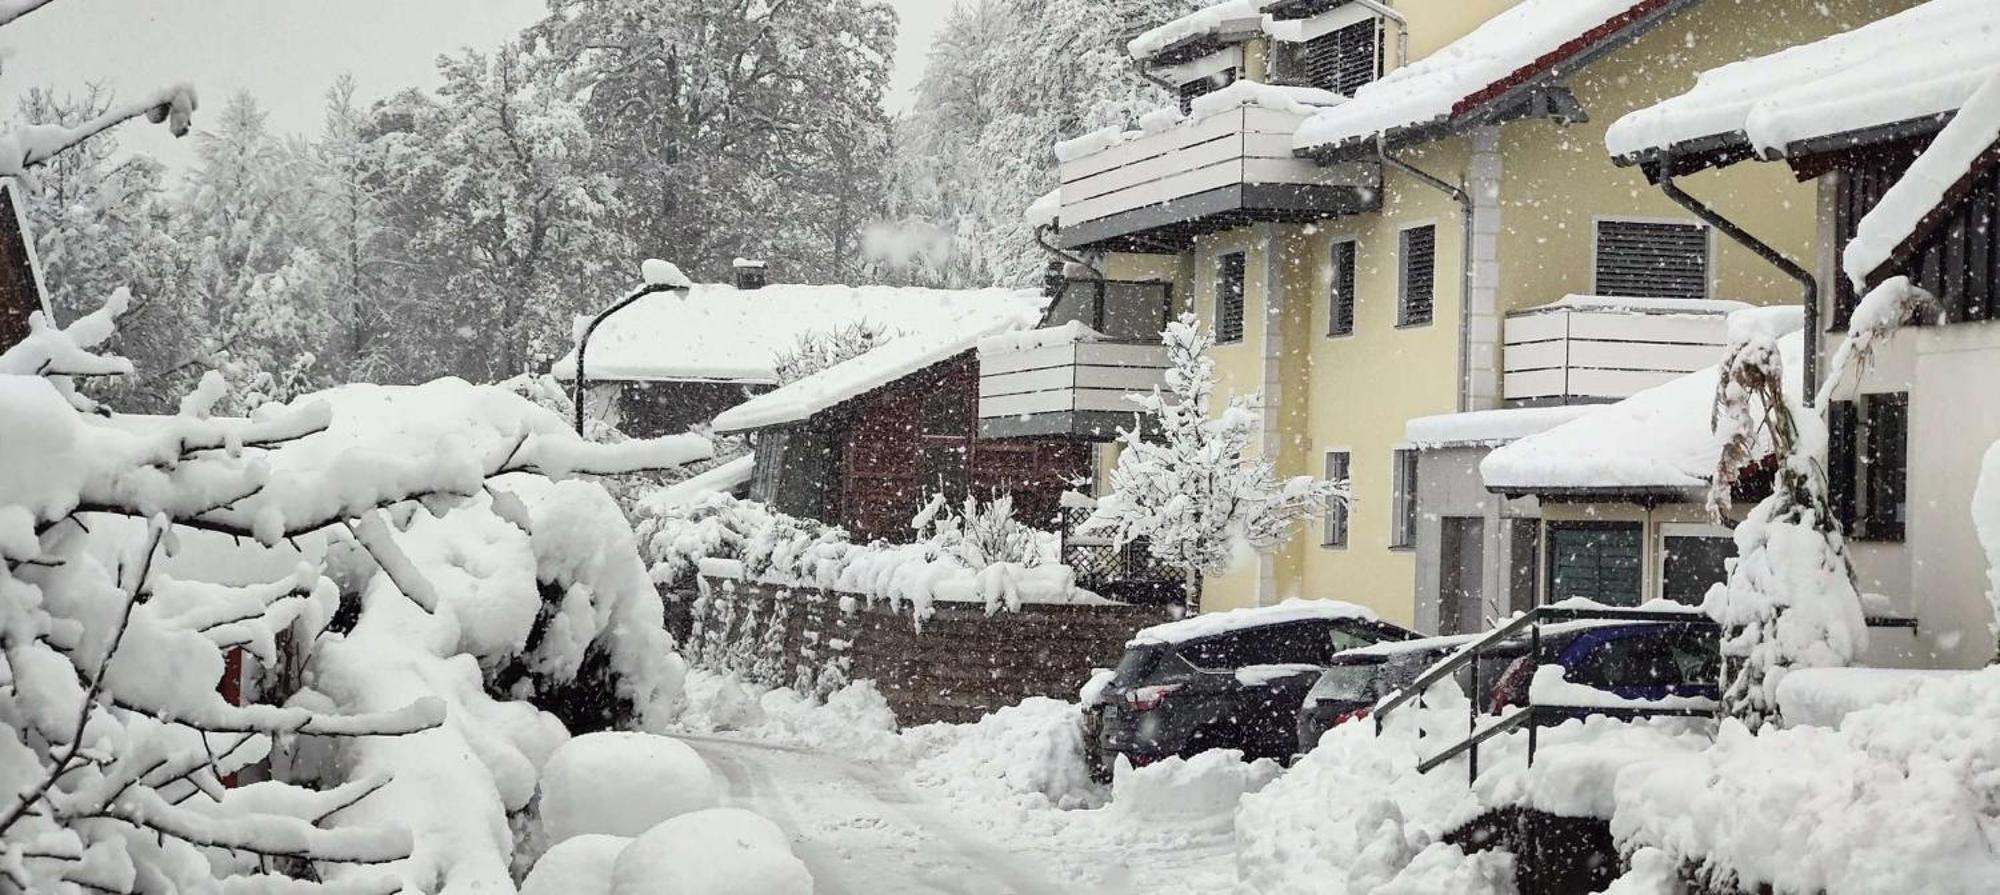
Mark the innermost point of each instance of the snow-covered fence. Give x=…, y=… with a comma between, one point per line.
x=962, y=664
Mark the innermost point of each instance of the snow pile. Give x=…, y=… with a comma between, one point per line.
x=1825, y=696
x=1901, y=797
x=892, y=360
x=1205, y=789
x=1027, y=756
x=778, y=549
x=1291, y=100
x=854, y=721
x=1488, y=428
x=1919, y=63
x=1045, y=211
x=1947, y=162
x=1070, y=333
x=1209, y=624
x=1239, y=15
x=721, y=851
x=580, y=865
x=622, y=784
x=1530, y=37
x=720, y=333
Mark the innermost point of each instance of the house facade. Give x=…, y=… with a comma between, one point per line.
x=1377, y=205
x=1897, y=126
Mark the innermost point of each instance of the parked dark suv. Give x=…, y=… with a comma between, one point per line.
x=1231, y=680
x=1357, y=679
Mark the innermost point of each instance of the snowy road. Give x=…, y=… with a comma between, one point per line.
x=863, y=831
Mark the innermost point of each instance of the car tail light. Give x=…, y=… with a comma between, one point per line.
x=1515, y=678
x=1354, y=715
x=1146, y=699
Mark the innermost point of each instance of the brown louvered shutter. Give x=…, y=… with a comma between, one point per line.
x=1419, y=280
x=1340, y=304
x=1229, y=298
x=1204, y=86
x=1343, y=60
x=1645, y=259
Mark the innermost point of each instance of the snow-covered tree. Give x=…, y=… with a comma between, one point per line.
x=817, y=350
x=1791, y=599
x=1187, y=487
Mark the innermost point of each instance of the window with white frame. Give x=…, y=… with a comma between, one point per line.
x=1340, y=290
x=1403, y=499
x=1334, y=534
x=1229, y=273
x=1693, y=558
x=1418, y=290
x=1652, y=259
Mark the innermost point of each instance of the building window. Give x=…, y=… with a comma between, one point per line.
x=1870, y=465
x=1403, y=500
x=1340, y=291
x=1229, y=298
x=1692, y=561
x=1340, y=60
x=1597, y=561
x=1419, y=277
x=1335, y=533
x=1958, y=258
x=1203, y=86
x=1651, y=259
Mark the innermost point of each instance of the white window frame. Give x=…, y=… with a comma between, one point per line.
x=1403, y=516
x=1711, y=283
x=1346, y=511
x=1658, y=545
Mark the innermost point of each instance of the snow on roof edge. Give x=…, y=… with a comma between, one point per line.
x=1972, y=135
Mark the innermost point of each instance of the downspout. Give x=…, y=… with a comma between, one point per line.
x=1402, y=27
x=1808, y=285
x=1097, y=310
x=1139, y=65
x=1464, y=200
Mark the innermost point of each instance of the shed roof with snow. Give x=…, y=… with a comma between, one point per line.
x=885, y=364
x=1901, y=75
x=1657, y=443
x=1511, y=61
x=718, y=333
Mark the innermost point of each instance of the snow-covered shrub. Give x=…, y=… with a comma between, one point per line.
x=817, y=350
x=622, y=784
x=721, y=851
x=1901, y=797
x=982, y=534
x=1190, y=491
x=579, y=865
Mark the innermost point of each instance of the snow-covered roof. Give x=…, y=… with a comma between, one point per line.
x=1488, y=427
x=1954, y=156
x=1531, y=38
x=888, y=362
x=1919, y=63
x=720, y=333
x=1213, y=623
x=1659, y=440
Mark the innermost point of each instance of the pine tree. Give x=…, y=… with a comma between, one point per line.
x=1190, y=491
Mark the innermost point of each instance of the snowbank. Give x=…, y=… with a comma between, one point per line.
x=1825, y=696
x=720, y=333
x=580, y=865
x=1206, y=788
x=1213, y=623
x=1915, y=64
x=1532, y=36
x=1901, y=797
x=622, y=784
x=854, y=721
x=721, y=851
x=1028, y=755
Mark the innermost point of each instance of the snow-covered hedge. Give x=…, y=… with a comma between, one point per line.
x=960, y=562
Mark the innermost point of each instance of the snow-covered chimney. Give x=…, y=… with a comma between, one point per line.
x=750, y=273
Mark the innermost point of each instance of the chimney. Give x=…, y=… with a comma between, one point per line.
x=750, y=274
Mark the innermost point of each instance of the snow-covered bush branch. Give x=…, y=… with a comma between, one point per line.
x=817, y=350
x=35, y=145
x=1188, y=488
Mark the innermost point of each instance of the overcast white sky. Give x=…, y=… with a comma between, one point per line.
x=287, y=52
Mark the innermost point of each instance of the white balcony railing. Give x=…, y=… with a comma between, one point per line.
x=1588, y=349
x=1238, y=160
x=1073, y=388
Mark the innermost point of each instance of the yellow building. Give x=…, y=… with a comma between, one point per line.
x=1377, y=204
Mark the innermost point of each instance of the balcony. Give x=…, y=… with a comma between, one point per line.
x=1064, y=381
x=1592, y=350
x=1211, y=172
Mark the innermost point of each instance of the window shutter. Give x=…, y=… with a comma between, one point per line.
x=1419, y=261
x=1229, y=298
x=1343, y=60
x=1340, y=304
x=1652, y=260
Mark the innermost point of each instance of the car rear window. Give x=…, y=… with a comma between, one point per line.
x=1137, y=662
x=1272, y=645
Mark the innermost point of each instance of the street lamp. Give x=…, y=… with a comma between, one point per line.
x=660, y=276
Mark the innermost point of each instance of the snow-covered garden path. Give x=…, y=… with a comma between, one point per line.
x=862, y=830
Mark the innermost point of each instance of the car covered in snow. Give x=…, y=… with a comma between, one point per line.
x=1356, y=679
x=1226, y=680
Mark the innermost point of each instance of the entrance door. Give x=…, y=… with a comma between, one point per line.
x=1461, y=578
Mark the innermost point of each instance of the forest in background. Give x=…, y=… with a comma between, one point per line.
x=458, y=231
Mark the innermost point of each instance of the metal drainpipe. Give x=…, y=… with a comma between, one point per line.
x=1464, y=200
x=1807, y=283
x=583, y=342
x=1139, y=65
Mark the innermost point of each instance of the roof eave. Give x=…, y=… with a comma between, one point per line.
x=1648, y=495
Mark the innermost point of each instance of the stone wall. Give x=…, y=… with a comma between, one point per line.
x=962, y=664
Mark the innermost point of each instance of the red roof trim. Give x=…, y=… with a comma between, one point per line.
x=1522, y=75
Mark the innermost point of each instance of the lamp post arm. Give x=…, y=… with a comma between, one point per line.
x=583, y=342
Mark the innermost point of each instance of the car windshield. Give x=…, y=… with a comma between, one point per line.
x=1356, y=683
